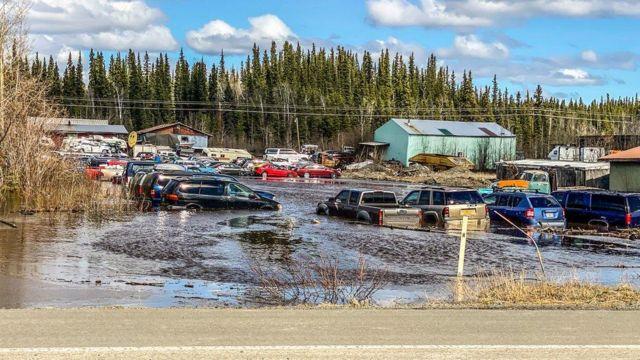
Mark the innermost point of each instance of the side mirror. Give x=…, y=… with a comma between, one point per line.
x=253, y=196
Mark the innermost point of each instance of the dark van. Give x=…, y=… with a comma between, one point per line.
x=209, y=193
x=600, y=209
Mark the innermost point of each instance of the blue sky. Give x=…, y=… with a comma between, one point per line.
x=574, y=48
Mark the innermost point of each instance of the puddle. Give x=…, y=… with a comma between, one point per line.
x=206, y=258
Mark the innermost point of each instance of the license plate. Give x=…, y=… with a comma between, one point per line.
x=549, y=215
x=468, y=212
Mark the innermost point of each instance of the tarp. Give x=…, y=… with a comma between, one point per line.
x=163, y=140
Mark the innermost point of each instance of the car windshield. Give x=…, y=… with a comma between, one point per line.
x=379, y=198
x=543, y=202
x=287, y=152
x=138, y=167
x=463, y=197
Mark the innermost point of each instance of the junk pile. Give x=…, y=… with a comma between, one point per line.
x=419, y=174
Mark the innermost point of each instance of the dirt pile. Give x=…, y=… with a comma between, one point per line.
x=415, y=173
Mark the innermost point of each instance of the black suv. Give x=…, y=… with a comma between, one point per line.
x=209, y=193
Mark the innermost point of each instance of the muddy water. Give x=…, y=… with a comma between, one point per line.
x=163, y=259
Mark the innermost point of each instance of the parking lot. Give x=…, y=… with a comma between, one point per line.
x=183, y=258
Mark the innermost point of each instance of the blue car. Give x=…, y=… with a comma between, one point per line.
x=528, y=209
x=600, y=209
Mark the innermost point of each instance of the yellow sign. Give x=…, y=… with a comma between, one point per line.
x=133, y=139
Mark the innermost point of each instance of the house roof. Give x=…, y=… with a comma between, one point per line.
x=631, y=155
x=71, y=121
x=164, y=126
x=92, y=129
x=452, y=128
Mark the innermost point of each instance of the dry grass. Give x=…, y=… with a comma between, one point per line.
x=514, y=290
x=321, y=280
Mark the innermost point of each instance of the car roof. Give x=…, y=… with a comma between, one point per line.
x=599, y=192
x=445, y=188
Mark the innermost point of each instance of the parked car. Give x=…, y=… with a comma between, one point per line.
x=446, y=206
x=600, y=209
x=373, y=207
x=230, y=169
x=526, y=208
x=153, y=183
x=275, y=171
x=317, y=171
x=94, y=147
x=288, y=155
x=135, y=184
x=133, y=167
x=211, y=193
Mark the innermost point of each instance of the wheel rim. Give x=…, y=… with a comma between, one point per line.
x=306, y=175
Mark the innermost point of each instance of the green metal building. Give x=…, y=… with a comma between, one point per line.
x=482, y=143
x=625, y=170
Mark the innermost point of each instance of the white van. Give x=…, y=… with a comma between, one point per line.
x=289, y=155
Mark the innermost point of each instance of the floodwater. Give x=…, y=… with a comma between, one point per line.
x=164, y=259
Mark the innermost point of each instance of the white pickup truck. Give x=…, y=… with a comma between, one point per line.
x=288, y=155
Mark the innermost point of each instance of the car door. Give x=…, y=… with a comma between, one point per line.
x=340, y=201
x=241, y=197
x=212, y=195
x=578, y=209
x=501, y=206
x=189, y=193
x=351, y=209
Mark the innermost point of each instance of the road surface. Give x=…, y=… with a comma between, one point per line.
x=317, y=333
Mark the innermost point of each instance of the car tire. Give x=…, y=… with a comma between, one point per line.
x=322, y=210
x=194, y=207
x=307, y=175
x=333, y=175
x=364, y=218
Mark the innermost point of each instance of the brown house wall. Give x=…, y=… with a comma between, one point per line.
x=178, y=131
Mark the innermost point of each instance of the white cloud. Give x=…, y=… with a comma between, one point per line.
x=217, y=35
x=483, y=13
x=57, y=25
x=575, y=77
x=589, y=56
x=396, y=46
x=470, y=46
x=90, y=16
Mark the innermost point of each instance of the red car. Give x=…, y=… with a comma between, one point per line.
x=275, y=171
x=318, y=171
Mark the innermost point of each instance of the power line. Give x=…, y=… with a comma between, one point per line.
x=338, y=108
x=320, y=114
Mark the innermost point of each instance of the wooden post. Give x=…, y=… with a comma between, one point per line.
x=463, y=245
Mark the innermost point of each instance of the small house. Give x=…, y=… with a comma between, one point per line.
x=183, y=135
x=61, y=128
x=625, y=170
x=483, y=143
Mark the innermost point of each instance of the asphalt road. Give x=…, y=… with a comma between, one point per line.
x=300, y=333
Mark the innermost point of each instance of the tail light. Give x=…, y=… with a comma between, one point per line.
x=445, y=212
x=171, y=197
x=627, y=219
x=380, y=217
x=529, y=214
x=139, y=190
x=153, y=193
x=484, y=209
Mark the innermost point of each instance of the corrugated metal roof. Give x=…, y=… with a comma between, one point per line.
x=72, y=121
x=93, y=129
x=164, y=126
x=627, y=155
x=452, y=128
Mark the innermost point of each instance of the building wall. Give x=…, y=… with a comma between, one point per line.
x=484, y=152
x=625, y=176
x=397, y=139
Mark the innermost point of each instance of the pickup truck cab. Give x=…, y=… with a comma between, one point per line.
x=373, y=207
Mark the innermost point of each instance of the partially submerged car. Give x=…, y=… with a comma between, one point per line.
x=445, y=207
x=373, y=207
x=600, y=209
x=531, y=209
x=214, y=193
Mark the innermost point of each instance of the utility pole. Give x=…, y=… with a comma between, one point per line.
x=298, y=133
